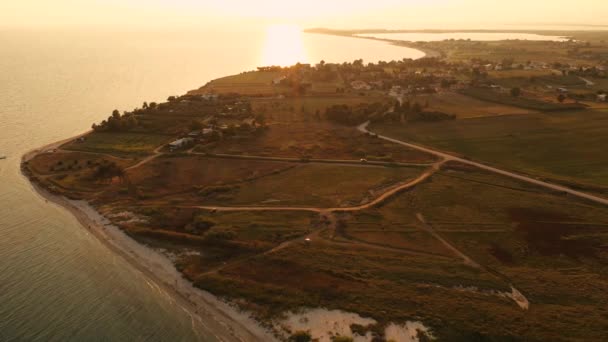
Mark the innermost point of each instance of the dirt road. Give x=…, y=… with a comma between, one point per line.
x=449, y=157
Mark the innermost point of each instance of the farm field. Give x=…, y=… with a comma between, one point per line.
x=184, y=174
x=247, y=83
x=322, y=186
x=307, y=109
x=119, y=144
x=547, y=245
x=319, y=140
x=465, y=107
x=565, y=146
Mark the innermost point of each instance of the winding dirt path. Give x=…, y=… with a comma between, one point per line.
x=378, y=200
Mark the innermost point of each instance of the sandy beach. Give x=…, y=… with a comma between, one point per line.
x=224, y=321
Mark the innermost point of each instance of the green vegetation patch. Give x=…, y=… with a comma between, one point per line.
x=119, y=143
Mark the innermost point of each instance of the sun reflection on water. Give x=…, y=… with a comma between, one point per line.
x=284, y=46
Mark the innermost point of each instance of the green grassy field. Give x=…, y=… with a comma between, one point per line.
x=566, y=146
x=119, y=143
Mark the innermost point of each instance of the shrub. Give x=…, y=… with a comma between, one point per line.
x=300, y=336
x=342, y=339
x=215, y=189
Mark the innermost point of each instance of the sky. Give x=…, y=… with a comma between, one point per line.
x=346, y=14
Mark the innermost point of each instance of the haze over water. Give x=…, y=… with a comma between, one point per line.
x=57, y=282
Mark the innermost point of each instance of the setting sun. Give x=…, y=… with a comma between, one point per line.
x=283, y=46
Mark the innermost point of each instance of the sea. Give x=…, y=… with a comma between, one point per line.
x=57, y=281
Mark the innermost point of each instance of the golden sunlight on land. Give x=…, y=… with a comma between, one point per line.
x=283, y=46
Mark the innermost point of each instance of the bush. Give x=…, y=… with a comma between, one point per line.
x=342, y=339
x=300, y=336
x=358, y=329
x=218, y=236
x=515, y=92
x=431, y=117
x=215, y=189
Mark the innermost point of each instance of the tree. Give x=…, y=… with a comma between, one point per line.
x=416, y=108
x=561, y=98
x=515, y=92
x=109, y=171
x=196, y=125
x=145, y=105
x=260, y=119
x=116, y=114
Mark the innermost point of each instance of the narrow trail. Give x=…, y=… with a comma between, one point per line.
x=426, y=227
x=515, y=294
x=156, y=153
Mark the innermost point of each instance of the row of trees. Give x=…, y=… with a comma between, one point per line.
x=117, y=122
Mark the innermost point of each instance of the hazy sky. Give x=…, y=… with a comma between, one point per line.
x=327, y=13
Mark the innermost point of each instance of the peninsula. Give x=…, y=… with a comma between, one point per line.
x=458, y=197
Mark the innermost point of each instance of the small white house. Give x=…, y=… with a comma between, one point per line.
x=179, y=143
x=360, y=85
x=278, y=80
x=602, y=97
x=209, y=96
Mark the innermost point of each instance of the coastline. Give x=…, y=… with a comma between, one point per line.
x=428, y=53
x=225, y=322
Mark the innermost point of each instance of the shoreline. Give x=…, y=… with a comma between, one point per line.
x=428, y=53
x=223, y=321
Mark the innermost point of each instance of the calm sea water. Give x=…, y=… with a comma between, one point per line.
x=57, y=282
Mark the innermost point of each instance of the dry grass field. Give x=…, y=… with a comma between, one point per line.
x=248, y=83
x=465, y=107
x=319, y=140
x=322, y=186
